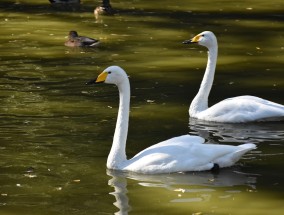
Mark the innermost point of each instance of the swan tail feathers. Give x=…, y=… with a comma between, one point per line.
x=248, y=146
x=231, y=158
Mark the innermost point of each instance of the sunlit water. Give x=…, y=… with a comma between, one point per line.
x=56, y=132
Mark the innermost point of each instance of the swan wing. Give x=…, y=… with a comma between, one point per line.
x=178, y=155
x=231, y=158
x=243, y=109
x=180, y=140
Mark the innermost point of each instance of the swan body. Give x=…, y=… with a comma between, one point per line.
x=233, y=110
x=179, y=154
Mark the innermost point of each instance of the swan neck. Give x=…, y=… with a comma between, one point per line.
x=117, y=153
x=200, y=102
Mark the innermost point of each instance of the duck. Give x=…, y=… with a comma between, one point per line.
x=104, y=9
x=74, y=40
x=64, y=1
x=178, y=154
x=240, y=109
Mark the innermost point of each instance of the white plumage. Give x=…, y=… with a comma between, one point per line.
x=179, y=154
x=233, y=110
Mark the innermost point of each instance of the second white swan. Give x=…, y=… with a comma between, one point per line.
x=232, y=110
x=179, y=154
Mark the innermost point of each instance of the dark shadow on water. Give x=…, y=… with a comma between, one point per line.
x=179, y=18
x=174, y=20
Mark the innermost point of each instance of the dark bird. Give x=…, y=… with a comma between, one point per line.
x=104, y=9
x=74, y=40
x=64, y=1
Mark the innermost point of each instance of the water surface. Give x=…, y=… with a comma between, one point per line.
x=56, y=132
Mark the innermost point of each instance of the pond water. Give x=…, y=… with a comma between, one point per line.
x=56, y=132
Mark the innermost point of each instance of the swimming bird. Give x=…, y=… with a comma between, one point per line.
x=74, y=40
x=179, y=154
x=64, y=1
x=104, y=9
x=239, y=109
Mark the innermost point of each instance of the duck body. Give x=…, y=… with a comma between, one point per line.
x=178, y=154
x=239, y=109
x=64, y=1
x=74, y=40
x=104, y=9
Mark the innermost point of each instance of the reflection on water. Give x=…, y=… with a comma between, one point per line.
x=190, y=187
x=55, y=133
x=239, y=132
x=119, y=183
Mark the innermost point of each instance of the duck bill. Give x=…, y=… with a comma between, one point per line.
x=100, y=79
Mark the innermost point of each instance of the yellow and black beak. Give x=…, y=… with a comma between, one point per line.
x=100, y=79
x=193, y=40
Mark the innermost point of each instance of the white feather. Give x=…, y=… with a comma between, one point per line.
x=233, y=110
x=178, y=154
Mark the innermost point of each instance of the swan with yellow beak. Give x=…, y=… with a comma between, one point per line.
x=178, y=154
x=239, y=109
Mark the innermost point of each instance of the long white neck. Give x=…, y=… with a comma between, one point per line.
x=117, y=153
x=200, y=102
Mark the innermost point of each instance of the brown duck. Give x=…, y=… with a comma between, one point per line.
x=74, y=40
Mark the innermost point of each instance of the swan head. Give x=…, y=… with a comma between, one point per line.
x=206, y=38
x=111, y=75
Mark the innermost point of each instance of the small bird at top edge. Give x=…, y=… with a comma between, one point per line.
x=64, y=1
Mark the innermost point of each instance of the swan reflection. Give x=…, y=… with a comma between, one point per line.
x=119, y=183
x=190, y=187
x=240, y=132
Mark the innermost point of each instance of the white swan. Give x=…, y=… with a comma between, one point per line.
x=179, y=154
x=232, y=110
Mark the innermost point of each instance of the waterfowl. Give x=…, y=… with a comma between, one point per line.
x=178, y=154
x=74, y=40
x=64, y=1
x=239, y=109
x=104, y=9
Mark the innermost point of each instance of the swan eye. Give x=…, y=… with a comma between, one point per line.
x=109, y=72
x=202, y=35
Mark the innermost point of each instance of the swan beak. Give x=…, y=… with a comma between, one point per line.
x=193, y=40
x=100, y=79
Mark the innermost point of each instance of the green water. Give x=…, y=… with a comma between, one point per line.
x=56, y=132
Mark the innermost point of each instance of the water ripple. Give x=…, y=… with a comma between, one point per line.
x=239, y=133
